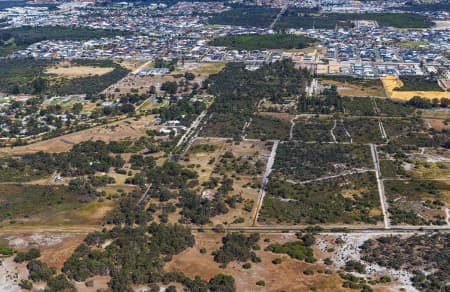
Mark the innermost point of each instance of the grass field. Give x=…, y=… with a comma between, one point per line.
x=70, y=71
x=48, y=205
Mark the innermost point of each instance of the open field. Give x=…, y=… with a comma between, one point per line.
x=346, y=88
x=286, y=276
x=68, y=70
x=201, y=69
x=392, y=82
x=125, y=129
x=49, y=205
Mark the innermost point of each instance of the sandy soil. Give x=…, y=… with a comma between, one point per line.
x=391, y=82
x=100, y=282
x=349, y=250
x=55, y=249
x=288, y=275
x=126, y=129
x=10, y=275
x=441, y=24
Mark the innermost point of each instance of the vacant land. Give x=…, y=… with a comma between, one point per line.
x=284, y=276
x=240, y=165
x=261, y=42
x=356, y=87
x=48, y=205
x=300, y=162
x=415, y=83
x=417, y=202
x=313, y=129
x=390, y=83
x=429, y=253
x=126, y=129
x=364, y=130
x=70, y=71
x=347, y=199
x=265, y=127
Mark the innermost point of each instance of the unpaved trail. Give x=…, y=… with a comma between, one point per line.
x=262, y=191
x=383, y=201
x=332, y=132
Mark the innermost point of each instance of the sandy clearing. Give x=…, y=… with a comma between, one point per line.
x=441, y=24
x=349, y=250
x=10, y=275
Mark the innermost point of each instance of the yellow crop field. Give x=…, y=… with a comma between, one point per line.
x=392, y=82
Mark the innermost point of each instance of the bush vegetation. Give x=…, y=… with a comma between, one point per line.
x=346, y=200
x=262, y=42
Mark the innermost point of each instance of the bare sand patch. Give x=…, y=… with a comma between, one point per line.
x=441, y=24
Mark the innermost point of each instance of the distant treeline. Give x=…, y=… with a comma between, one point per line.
x=302, y=18
x=252, y=16
x=298, y=19
x=261, y=42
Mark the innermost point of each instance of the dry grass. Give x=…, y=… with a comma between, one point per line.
x=430, y=170
x=67, y=70
x=350, y=89
x=56, y=255
x=200, y=69
x=286, y=276
x=438, y=125
x=392, y=82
